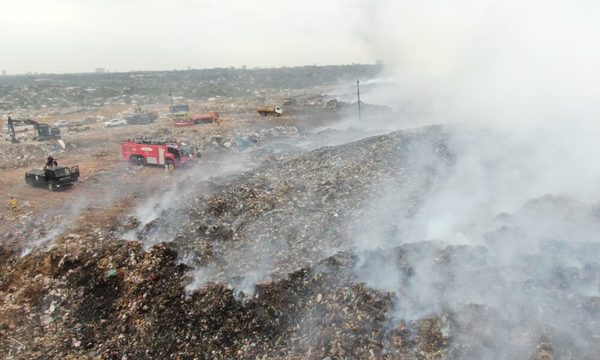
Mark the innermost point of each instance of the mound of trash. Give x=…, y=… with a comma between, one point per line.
x=265, y=265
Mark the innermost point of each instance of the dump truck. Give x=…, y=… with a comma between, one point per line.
x=53, y=177
x=168, y=152
x=269, y=110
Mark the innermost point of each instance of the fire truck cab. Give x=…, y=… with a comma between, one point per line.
x=157, y=152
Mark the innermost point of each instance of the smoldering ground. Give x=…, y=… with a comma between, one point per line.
x=283, y=213
x=530, y=271
x=191, y=203
x=513, y=221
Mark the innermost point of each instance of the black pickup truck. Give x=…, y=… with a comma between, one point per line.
x=54, y=178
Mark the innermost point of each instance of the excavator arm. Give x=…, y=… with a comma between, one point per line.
x=11, y=130
x=44, y=131
x=32, y=122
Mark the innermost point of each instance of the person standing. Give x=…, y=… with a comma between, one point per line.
x=12, y=203
x=49, y=162
x=169, y=168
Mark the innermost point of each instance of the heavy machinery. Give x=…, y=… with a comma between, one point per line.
x=158, y=152
x=180, y=114
x=140, y=117
x=209, y=117
x=44, y=131
x=53, y=177
x=269, y=110
x=179, y=108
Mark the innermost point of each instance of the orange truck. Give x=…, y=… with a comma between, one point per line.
x=209, y=117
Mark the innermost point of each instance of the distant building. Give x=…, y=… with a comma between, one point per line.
x=3, y=72
x=100, y=70
x=378, y=62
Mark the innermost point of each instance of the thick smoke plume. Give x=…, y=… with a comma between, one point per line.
x=511, y=231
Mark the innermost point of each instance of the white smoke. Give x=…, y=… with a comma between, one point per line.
x=523, y=74
x=519, y=82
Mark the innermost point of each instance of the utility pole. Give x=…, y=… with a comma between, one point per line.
x=358, y=94
x=171, y=116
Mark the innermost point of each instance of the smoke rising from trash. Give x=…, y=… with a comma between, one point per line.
x=457, y=218
x=504, y=227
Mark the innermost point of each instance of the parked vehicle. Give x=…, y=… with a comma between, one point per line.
x=209, y=117
x=78, y=126
x=141, y=118
x=158, y=152
x=179, y=108
x=54, y=178
x=115, y=122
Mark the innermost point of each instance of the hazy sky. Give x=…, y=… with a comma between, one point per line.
x=122, y=35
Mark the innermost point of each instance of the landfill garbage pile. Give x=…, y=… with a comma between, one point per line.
x=19, y=155
x=114, y=300
x=263, y=265
x=94, y=294
x=293, y=211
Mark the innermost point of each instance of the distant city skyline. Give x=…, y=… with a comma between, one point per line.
x=68, y=36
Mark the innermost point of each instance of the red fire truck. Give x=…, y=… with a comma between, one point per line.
x=158, y=152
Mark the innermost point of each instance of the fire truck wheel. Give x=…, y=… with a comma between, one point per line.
x=170, y=164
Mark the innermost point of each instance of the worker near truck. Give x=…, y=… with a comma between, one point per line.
x=169, y=168
x=50, y=162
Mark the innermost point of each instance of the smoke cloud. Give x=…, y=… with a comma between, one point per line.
x=510, y=231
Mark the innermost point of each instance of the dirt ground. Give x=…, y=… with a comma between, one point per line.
x=97, y=152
